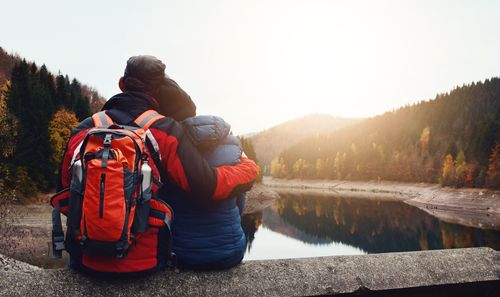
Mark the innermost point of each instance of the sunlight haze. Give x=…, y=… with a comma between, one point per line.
x=259, y=63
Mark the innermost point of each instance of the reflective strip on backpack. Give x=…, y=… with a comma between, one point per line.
x=76, y=154
x=101, y=119
x=146, y=119
x=153, y=141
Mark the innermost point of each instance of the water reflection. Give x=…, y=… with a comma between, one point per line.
x=370, y=226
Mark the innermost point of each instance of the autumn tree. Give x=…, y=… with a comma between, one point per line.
x=448, y=172
x=60, y=127
x=15, y=182
x=299, y=168
x=8, y=132
x=274, y=167
x=493, y=175
x=461, y=169
x=339, y=164
x=8, y=129
x=321, y=168
x=424, y=139
x=279, y=168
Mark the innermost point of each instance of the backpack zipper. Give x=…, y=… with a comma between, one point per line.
x=101, y=195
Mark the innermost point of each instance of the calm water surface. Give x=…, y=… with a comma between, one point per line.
x=318, y=225
x=323, y=225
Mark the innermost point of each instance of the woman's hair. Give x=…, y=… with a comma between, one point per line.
x=174, y=102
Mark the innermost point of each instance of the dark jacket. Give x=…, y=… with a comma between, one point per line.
x=209, y=235
x=181, y=161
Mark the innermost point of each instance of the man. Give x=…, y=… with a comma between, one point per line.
x=180, y=161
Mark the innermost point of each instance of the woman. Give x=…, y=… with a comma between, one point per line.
x=206, y=234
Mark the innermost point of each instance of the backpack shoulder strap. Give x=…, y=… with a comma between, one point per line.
x=147, y=118
x=101, y=119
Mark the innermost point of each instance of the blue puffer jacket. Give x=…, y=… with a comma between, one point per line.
x=209, y=236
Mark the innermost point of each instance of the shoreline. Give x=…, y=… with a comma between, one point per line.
x=479, y=208
x=29, y=225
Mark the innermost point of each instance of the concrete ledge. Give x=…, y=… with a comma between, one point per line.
x=322, y=276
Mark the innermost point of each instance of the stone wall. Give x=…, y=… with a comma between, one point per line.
x=460, y=271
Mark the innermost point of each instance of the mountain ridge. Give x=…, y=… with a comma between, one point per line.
x=270, y=142
x=453, y=139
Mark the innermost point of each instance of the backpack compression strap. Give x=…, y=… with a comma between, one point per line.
x=101, y=119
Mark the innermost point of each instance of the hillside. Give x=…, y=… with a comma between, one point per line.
x=38, y=110
x=8, y=61
x=270, y=143
x=452, y=139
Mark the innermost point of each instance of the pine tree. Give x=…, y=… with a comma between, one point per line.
x=62, y=92
x=80, y=104
x=29, y=100
x=47, y=80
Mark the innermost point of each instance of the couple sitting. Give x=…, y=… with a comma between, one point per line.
x=205, y=175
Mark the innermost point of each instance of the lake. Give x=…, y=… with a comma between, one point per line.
x=305, y=225
x=299, y=225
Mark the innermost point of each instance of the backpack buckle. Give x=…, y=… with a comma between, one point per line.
x=57, y=244
x=107, y=140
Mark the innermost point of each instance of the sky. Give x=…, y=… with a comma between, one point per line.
x=261, y=62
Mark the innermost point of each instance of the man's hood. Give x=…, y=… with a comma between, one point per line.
x=131, y=101
x=126, y=107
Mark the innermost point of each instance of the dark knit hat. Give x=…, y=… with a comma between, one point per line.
x=143, y=73
x=147, y=74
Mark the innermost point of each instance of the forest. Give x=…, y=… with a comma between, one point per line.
x=271, y=142
x=38, y=110
x=453, y=139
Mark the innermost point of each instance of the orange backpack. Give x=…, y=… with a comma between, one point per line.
x=111, y=215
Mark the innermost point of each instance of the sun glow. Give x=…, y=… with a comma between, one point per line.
x=259, y=63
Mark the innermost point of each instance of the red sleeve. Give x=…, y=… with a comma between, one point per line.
x=187, y=168
x=239, y=177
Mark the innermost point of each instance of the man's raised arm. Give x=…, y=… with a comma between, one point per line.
x=189, y=170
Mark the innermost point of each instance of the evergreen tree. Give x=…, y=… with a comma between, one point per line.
x=62, y=92
x=47, y=80
x=27, y=103
x=80, y=104
x=30, y=101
